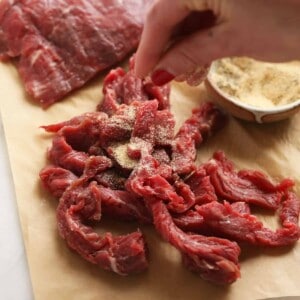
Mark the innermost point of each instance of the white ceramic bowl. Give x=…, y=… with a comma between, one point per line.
x=245, y=111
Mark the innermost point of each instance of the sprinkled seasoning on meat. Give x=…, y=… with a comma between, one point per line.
x=126, y=162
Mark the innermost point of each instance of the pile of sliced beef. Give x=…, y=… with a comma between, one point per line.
x=59, y=45
x=125, y=161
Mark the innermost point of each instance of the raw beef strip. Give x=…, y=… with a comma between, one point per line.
x=260, y=180
x=60, y=45
x=56, y=180
x=161, y=156
x=120, y=87
x=255, y=188
x=144, y=130
x=193, y=221
x=224, y=220
x=214, y=259
x=164, y=128
x=80, y=203
x=190, y=221
x=204, y=121
x=147, y=180
x=112, y=91
x=63, y=155
x=124, y=205
x=120, y=125
x=111, y=178
x=241, y=207
x=73, y=140
x=92, y=119
x=200, y=184
x=289, y=212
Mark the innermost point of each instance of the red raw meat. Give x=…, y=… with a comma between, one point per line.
x=225, y=220
x=260, y=180
x=118, y=204
x=56, y=180
x=119, y=126
x=147, y=180
x=95, y=165
x=161, y=156
x=73, y=140
x=237, y=186
x=112, y=93
x=120, y=87
x=204, y=122
x=127, y=163
x=144, y=126
x=60, y=45
x=111, y=178
x=289, y=212
x=164, y=128
x=160, y=93
x=190, y=221
x=214, y=259
x=123, y=205
x=63, y=155
x=241, y=207
x=82, y=203
x=94, y=120
x=193, y=221
x=200, y=184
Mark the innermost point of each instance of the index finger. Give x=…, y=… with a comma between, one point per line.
x=161, y=19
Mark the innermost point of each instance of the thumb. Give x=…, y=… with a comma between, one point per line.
x=186, y=56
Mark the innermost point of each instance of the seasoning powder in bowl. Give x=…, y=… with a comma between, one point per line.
x=261, y=89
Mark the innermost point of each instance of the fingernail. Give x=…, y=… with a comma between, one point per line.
x=161, y=77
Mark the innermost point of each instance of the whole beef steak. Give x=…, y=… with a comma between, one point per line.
x=60, y=45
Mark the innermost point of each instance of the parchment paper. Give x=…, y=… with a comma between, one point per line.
x=58, y=273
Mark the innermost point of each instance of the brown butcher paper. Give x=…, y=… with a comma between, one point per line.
x=58, y=273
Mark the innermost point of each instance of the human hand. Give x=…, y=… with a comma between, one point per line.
x=182, y=37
